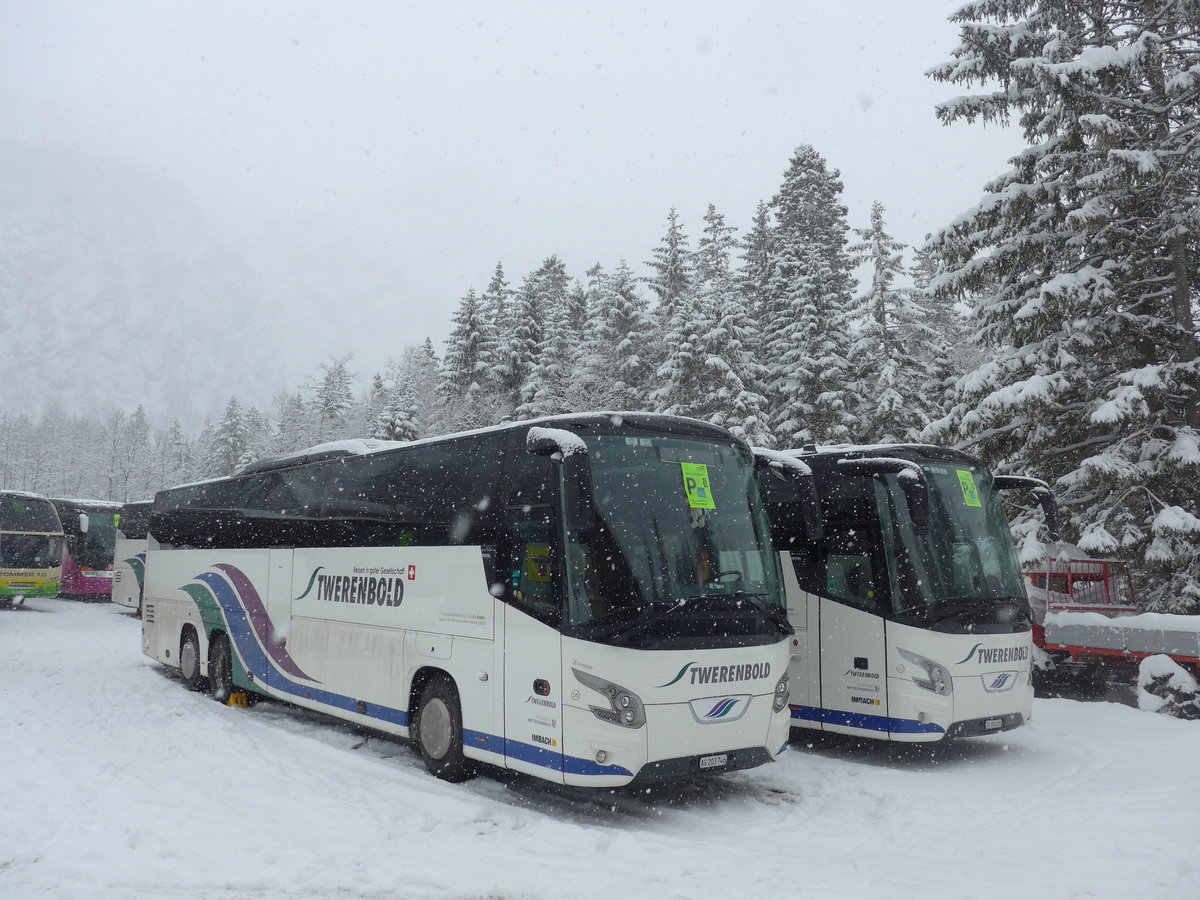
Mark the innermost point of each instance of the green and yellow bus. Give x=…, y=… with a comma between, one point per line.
x=31, y=547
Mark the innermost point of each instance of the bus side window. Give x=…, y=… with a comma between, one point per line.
x=849, y=572
x=529, y=581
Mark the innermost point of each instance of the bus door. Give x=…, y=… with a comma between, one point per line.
x=804, y=663
x=853, y=646
x=533, y=691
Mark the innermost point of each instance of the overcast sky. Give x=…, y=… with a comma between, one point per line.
x=452, y=135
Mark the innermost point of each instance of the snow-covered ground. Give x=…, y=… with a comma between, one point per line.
x=118, y=783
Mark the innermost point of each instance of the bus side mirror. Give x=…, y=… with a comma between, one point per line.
x=1041, y=492
x=579, y=507
x=806, y=490
x=578, y=502
x=83, y=523
x=911, y=478
x=916, y=495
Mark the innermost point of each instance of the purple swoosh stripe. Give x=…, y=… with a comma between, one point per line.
x=718, y=708
x=260, y=621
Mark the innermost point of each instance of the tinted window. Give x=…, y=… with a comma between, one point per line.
x=27, y=514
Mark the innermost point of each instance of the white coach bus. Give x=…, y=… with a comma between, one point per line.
x=592, y=599
x=911, y=618
x=129, y=555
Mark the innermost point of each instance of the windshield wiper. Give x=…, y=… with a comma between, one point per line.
x=652, y=615
x=775, y=613
x=950, y=607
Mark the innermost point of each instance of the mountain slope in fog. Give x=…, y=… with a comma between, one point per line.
x=116, y=290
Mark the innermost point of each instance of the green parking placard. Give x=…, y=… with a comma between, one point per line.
x=970, y=492
x=696, y=486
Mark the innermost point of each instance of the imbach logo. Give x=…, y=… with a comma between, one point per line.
x=990, y=655
x=371, y=590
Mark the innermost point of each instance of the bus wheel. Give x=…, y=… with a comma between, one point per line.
x=220, y=668
x=189, y=660
x=438, y=731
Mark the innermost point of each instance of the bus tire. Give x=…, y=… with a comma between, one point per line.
x=189, y=660
x=437, y=731
x=220, y=668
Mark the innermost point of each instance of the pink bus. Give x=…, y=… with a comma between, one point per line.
x=91, y=530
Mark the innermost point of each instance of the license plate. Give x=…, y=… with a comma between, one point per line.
x=714, y=761
x=993, y=723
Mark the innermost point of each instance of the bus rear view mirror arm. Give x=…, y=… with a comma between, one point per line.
x=789, y=468
x=911, y=478
x=579, y=508
x=1041, y=492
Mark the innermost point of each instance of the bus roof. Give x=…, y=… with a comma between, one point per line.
x=913, y=451
x=60, y=502
x=602, y=420
x=24, y=495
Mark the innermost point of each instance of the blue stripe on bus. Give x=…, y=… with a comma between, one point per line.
x=550, y=759
x=255, y=659
x=864, y=721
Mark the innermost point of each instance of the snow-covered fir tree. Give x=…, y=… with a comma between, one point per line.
x=708, y=372
x=496, y=313
x=397, y=421
x=947, y=314
x=227, y=445
x=331, y=401
x=614, y=366
x=896, y=351
x=551, y=386
x=294, y=426
x=260, y=442
x=468, y=350
x=1091, y=242
x=671, y=264
x=806, y=308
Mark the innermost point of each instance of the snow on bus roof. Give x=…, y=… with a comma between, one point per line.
x=362, y=446
x=24, y=495
x=81, y=501
x=368, y=446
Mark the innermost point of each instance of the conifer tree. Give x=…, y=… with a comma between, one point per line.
x=228, y=441
x=758, y=262
x=550, y=387
x=496, y=314
x=806, y=307
x=397, y=419
x=331, y=401
x=895, y=350
x=708, y=371
x=614, y=367
x=464, y=364
x=1090, y=247
x=294, y=429
x=672, y=268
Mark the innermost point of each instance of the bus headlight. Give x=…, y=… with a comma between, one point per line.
x=625, y=708
x=937, y=677
x=781, y=694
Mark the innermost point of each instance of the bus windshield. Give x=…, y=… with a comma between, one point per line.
x=94, y=550
x=31, y=535
x=968, y=557
x=28, y=514
x=682, y=549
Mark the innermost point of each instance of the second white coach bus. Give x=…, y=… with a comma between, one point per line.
x=129, y=555
x=911, y=618
x=591, y=599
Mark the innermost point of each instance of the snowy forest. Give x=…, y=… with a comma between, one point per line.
x=1051, y=329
